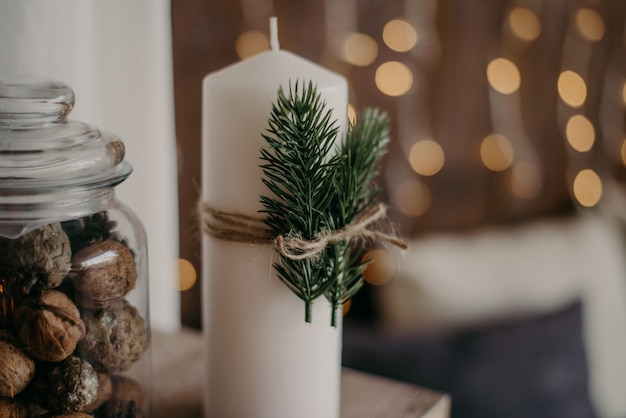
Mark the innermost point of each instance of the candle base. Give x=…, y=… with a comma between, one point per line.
x=264, y=360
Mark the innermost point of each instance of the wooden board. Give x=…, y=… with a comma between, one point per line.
x=178, y=374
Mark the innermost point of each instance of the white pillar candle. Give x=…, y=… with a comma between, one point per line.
x=264, y=360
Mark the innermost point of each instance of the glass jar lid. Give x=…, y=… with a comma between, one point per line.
x=41, y=151
x=51, y=168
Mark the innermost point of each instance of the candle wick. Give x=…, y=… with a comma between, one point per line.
x=274, y=34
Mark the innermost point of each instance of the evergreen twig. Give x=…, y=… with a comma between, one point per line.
x=318, y=187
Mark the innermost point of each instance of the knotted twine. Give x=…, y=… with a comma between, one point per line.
x=238, y=227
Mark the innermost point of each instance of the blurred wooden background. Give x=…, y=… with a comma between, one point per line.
x=444, y=171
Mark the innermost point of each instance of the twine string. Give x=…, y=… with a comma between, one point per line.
x=230, y=226
x=250, y=229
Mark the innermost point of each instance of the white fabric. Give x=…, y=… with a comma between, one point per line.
x=116, y=55
x=457, y=280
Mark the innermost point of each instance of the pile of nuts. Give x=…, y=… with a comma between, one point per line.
x=67, y=331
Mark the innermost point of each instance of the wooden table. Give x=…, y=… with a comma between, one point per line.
x=178, y=376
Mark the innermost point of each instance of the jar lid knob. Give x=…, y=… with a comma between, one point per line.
x=28, y=100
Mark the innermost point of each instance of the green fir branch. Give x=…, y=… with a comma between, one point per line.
x=364, y=146
x=318, y=186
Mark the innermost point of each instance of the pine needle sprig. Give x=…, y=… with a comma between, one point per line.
x=300, y=136
x=364, y=146
x=319, y=187
x=299, y=173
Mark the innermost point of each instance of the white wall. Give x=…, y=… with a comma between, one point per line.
x=116, y=55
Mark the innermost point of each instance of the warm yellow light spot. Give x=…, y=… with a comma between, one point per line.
x=525, y=180
x=524, y=23
x=360, y=49
x=503, y=76
x=496, y=152
x=251, y=43
x=394, y=78
x=346, y=306
x=351, y=114
x=426, y=157
x=381, y=267
x=623, y=151
x=587, y=188
x=412, y=198
x=580, y=133
x=590, y=24
x=186, y=275
x=624, y=93
x=399, y=35
x=572, y=88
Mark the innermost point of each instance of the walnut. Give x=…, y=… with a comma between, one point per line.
x=69, y=386
x=89, y=229
x=103, y=273
x=35, y=410
x=16, y=368
x=105, y=389
x=126, y=400
x=49, y=325
x=66, y=415
x=10, y=297
x=116, y=337
x=39, y=258
x=10, y=408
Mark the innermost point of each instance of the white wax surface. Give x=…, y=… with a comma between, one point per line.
x=264, y=360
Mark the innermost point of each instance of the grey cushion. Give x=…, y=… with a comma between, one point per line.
x=527, y=368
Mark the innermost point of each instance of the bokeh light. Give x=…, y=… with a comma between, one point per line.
x=525, y=180
x=381, y=267
x=187, y=275
x=590, y=24
x=503, y=76
x=426, y=157
x=251, y=43
x=351, y=114
x=412, y=198
x=496, y=152
x=399, y=35
x=572, y=88
x=360, y=49
x=394, y=78
x=587, y=188
x=524, y=24
x=580, y=133
x=624, y=93
x=346, y=306
x=623, y=151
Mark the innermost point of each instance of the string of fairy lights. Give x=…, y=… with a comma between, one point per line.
x=507, y=149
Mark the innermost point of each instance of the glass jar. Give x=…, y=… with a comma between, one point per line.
x=74, y=329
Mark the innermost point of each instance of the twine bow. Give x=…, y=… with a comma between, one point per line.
x=244, y=228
